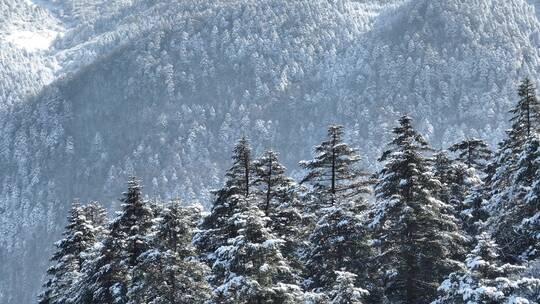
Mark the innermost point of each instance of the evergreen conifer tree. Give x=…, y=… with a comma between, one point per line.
x=170, y=272
x=108, y=277
x=215, y=230
x=134, y=223
x=510, y=181
x=515, y=222
x=272, y=185
x=416, y=233
x=238, y=178
x=79, y=235
x=251, y=267
x=525, y=123
x=525, y=119
x=334, y=171
x=281, y=204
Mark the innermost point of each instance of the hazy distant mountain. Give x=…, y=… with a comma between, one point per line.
x=162, y=89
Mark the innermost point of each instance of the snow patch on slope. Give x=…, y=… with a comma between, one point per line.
x=32, y=41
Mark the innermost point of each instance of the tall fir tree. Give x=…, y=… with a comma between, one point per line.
x=515, y=222
x=134, y=223
x=334, y=172
x=525, y=123
x=170, y=272
x=279, y=200
x=525, y=119
x=238, y=178
x=271, y=183
x=458, y=182
x=79, y=235
x=214, y=230
x=416, y=233
x=510, y=178
x=251, y=267
x=108, y=276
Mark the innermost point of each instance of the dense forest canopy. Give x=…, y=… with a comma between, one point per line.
x=460, y=225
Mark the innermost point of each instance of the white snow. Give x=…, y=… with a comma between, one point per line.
x=32, y=41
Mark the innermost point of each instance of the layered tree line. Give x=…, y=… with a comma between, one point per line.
x=460, y=225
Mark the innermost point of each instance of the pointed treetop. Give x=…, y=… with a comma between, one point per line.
x=270, y=181
x=406, y=137
x=134, y=191
x=334, y=172
x=526, y=113
x=239, y=175
x=473, y=152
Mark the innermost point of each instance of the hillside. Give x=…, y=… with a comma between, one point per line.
x=162, y=89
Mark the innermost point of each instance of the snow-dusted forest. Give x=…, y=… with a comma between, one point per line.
x=458, y=225
x=93, y=92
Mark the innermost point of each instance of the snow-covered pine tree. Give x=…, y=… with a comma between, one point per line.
x=473, y=152
x=475, y=214
x=334, y=172
x=511, y=176
x=516, y=222
x=526, y=118
x=345, y=291
x=97, y=215
x=280, y=202
x=107, y=277
x=525, y=122
x=170, y=272
x=238, y=178
x=215, y=230
x=416, y=234
x=134, y=223
x=271, y=183
x=339, y=242
x=78, y=236
x=458, y=181
x=487, y=280
x=251, y=267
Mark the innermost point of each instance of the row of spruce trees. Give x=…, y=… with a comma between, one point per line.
x=455, y=226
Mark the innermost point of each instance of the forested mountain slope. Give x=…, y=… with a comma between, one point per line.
x=161, y=89
x=26, y=32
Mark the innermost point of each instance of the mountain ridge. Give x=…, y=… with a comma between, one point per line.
x=176, y=88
